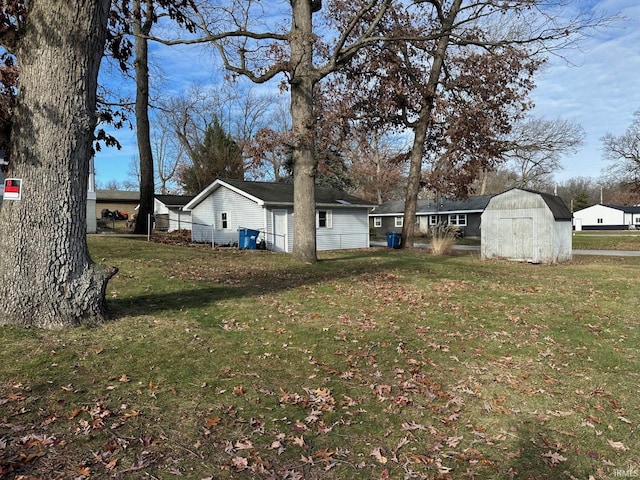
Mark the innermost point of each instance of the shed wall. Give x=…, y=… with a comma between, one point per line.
x=518, y=225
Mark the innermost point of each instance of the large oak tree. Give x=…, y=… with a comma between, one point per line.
x=47, y=277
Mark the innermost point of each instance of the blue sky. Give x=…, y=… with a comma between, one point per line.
x=597, y=87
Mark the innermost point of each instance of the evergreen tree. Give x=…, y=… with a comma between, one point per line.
x=219, y=156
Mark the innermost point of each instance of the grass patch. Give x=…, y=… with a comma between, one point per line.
x=370, y=364
x=607, y=240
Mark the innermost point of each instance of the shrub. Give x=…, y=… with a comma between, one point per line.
x=443, y=239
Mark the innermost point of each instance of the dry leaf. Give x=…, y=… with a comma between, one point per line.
x=212, y=422
x=377, y=454
x=617, y=445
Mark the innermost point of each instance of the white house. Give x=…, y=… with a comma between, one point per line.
x=169, y=212
x=607, y=217
x=225, y=206
x=526, y=226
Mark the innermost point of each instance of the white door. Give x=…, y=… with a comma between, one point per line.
x=577, y=223
x=280, y=236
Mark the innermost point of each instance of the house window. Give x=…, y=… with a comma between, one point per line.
x=399, y=222
x=458, y=219
x=599, y=220
x=377, y=222
x=224, y=220
x=323, y=219
x=433, y=220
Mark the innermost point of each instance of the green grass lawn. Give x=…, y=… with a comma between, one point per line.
x=607, y=240
x=371, y=364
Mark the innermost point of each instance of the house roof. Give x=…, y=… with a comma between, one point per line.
x=271, y=193
x=117, y=196
x=625, y=208
x=472, y=204
x=174, y=200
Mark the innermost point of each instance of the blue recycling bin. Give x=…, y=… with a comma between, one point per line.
x=393, y=239
x=247, y=238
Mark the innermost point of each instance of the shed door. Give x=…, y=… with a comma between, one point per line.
x=280, y=231
x=516, y=238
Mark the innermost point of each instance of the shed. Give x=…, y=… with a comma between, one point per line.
x=526, y=226
x=225, y=206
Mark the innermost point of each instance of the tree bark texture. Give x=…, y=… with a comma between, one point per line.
x=303, y=123
x=142, y=26
x=422, y=126
x=47, y=278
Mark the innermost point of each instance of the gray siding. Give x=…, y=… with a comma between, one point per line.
x=179, y=220
x=349, y=225
x=349, y=229
x=518, y=225
x=241, y=213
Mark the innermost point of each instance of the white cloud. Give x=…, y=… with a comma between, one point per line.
x=596, y=87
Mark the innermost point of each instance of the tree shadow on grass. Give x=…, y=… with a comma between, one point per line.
x=163, y=302
x=207, y=292
x=543, y=453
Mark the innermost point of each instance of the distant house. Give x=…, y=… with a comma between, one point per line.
x=169, y=212
x=607, y=217
x=122, y=200
x=225, y=206
x=464, y=214
x=527, y=226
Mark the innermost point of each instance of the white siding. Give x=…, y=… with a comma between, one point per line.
x=179, y=220
x=518, y=225
x=241, y=213
x=349, y=229
x=279, y=241
x=349, y=226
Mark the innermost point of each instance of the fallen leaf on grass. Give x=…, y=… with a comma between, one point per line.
x=239, y=464
x=212, y=422
x=323, y=454
x=246, y=445
x=299, y=441
x=377, y=454
x=617, y=445
x=553, y=458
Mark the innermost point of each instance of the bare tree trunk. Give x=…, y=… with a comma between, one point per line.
x=413, y=182
x=423, y=125
x=47, y=277
x=303, y=123
x=142, y=26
